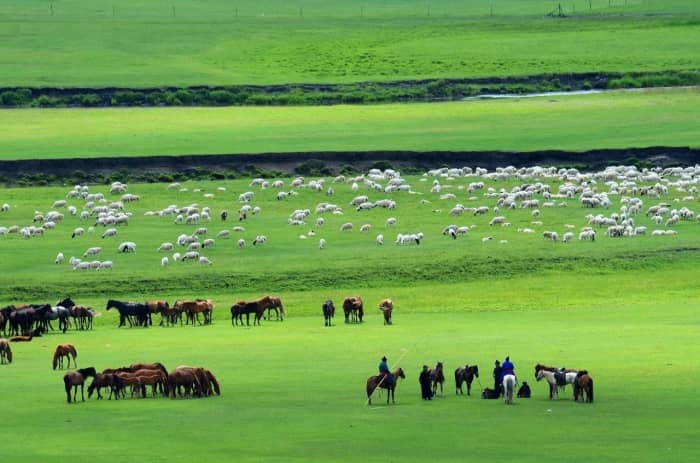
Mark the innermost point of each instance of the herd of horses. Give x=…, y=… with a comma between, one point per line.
x=141, y=313
x=257, y=308
x=580, y=380
x=183, y=381
x=353, y=308
x=29, y=320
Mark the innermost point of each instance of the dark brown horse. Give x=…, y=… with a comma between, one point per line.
x=186, y=378
x=583, y=387
x=328, y=312
x=378, y=381
x=102, y=380
x=67, y=351
x=273, y=303
x=157, y=307
x=194, y=308
x=387, y=307
x=77, y=378
x=352, y=306
x=465, y=374
x=437, y=377
x=241, y=308
x=5, y=352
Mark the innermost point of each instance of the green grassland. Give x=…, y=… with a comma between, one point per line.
x=130, y=43
x=626, y=309
x=611, y=120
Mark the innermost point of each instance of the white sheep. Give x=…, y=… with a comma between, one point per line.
x=105, y=265
x=391, y=221
x=260, y=239
x=347, y=226
x=321, y=243
x=176, y=256
x=204, y=261
x=109, y=232
x=380, y=239
x=241, y=243
x=320, y=222
x=5, y=207
x=164, y=261
x=365, y=228
x=92, y=251
x=59, y=258
x=165, y=247
x=127, y=246
x=568, y=236
x=190, y=255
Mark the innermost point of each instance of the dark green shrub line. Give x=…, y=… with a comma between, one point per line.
x=357, y=93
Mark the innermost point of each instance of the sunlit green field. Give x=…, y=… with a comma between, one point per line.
x=131, y=43
x=625, y=309
x=611, y=120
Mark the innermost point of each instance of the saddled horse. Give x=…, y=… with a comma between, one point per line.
x=353, y=309
x=273, y=303
x=328, y=312
x=67, y=351
x=465, y=374
x=509, y=382
x=583, y=387
x=378, y=381
x=387, y=307
x=5, y=352
x=73, y=379
x=128, y=310
x=437, y=377
x=557, y=380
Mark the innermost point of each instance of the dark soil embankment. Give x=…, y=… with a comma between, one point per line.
x=425, y=90
x=223, y=166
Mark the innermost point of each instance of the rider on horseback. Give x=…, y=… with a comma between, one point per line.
x=507, y=367
x=386, y=377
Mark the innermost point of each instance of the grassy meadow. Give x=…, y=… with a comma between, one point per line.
x=610, y=120
x=623, y=308
x=130, y=43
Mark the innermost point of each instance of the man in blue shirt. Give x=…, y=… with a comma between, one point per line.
x=507, y=367
x=385, y=373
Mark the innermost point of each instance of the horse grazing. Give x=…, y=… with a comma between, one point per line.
x=77, y=378
x=437, y=377
x=67, y=351
x=241, y=308
x=186, y=378
x=5, y=352
x=583, y=387
x=328, y=312
x=387, y=307
x=353, y=306
x=128, y=310
x=102, y=380
x=508, y=387
x=378, y=381
x=465, y=374
x=273, y=303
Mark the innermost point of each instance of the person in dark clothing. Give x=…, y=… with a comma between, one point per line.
x=498, y=377
x=524, y=391
x=384, y=371
x=425, y=384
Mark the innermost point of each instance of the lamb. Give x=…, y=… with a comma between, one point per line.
x=164, y=261
x=208, y=243
x=165, y=247
x=568, y=236
x=260, y=239
x=5, y=208
x=59, y=258
x=346, y=227
x=391, y=221
x=109, y=232
x=176, y=256
x=204, y=261
x=550, y=235
x=380, y=239
x=365, y=228
x=241, y=243
x=321, y=243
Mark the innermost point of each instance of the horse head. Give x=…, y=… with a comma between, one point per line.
x=475, y=370
x=399, y=373
x=89, y=371
x=67, y=303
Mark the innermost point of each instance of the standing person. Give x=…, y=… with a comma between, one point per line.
x=425, y=383
x=498, y=378
x=388, y=378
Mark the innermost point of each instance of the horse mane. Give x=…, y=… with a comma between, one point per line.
x=89, y=371
x=162, y=368
x=213, y=381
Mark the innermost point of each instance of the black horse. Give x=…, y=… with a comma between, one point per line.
x=465, y=374
x=127, y=310
x=240, y=308
x=328, y=312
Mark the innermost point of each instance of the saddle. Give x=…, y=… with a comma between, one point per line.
x=560, y=377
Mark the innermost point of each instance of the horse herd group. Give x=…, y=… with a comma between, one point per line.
x=557, y=378
x=353, y=308
x=30, y=320
x=183, y=381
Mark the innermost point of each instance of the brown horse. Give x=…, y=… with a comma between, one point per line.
x=67, y=351
x=101, y=380
x=186, y=378
x=273, y=303
x=241, y=308
x=77, y=378
x=5, y=352
x=378, y=381
x=387, y=307
x=437, y=377
x=157, y=307
x=465, y=374
x=583, y=387
x=353, y=306
x=194, y=308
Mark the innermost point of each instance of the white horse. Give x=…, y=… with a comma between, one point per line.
x=570, y=377
x=509, y=383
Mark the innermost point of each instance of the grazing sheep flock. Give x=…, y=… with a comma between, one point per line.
x=620, y=202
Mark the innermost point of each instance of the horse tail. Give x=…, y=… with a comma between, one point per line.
x=73, y=351
x=214, y=382
x=162, y=368
x=370, y=387
x=67, y=383
x=8, y=353
x=590, y=390
x=55, y=358
x=284, y=314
